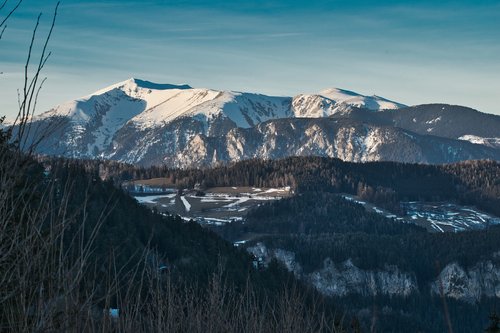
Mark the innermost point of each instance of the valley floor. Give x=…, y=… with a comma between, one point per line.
x=219, y=205
x=213, y=206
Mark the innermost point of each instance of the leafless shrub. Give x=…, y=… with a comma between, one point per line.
x=167, y=307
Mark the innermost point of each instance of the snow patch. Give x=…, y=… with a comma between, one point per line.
x=151, y=198
x=490, y=142
x=186, y=203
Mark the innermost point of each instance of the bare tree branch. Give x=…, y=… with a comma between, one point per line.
x=3, y=30
x=27, y=105
x=11, y=11
x=3, y=4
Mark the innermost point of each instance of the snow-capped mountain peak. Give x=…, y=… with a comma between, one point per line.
x=338, y=94
x=132, y=86
x=337, y=101
x=375, y=103
x=80, y=110
x=147, y=104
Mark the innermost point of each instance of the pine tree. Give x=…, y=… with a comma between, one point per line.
x=494, y=324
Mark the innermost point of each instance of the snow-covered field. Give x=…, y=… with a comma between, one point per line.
x=443, y=216
x=217, y=206
x=152, y=199
x=435, y=216
x=227, y=204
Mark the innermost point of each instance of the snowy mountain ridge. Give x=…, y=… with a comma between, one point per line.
x=145, y=123
x=150, y=104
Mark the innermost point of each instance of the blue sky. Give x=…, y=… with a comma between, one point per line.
x=411, y=52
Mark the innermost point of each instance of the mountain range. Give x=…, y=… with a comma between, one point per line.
x=145, y=123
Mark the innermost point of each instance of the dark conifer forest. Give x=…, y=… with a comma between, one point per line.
x=318, y=224
x=73, y=247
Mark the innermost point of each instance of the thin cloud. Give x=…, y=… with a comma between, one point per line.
x=243, y=36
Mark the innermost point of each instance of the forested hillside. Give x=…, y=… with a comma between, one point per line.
x=319, y=235
x=326, y=240
x=385, y=183
x=79, y=254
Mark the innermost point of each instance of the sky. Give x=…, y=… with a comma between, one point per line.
x=413, y=52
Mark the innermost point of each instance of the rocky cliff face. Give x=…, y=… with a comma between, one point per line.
x=345, y=278
x=481, y=280
x=342, y=279
x=346, y=139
